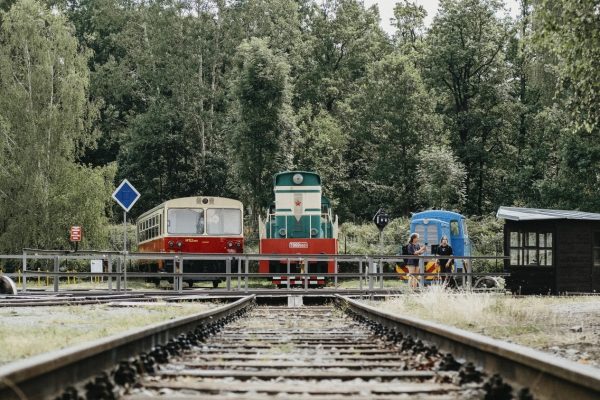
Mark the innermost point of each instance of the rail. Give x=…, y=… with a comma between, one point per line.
x=44, y=375
x=119, y=267
x=548, y=377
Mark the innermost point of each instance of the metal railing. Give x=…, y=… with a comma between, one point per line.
x=118, y=268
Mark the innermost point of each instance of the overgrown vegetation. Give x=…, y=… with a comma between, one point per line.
x=28, y=331
x=211, y=97
x=531, y=321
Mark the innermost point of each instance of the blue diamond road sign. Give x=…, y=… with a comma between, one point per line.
x=126, y=195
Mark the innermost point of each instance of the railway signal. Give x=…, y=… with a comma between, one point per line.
x=381, y=219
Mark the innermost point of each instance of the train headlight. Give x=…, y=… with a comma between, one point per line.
x=171, y=243
x=282, y=232
x=230, y=244
x=298, y=178
x=314, y=232
x=238, y=244
x=179, y=244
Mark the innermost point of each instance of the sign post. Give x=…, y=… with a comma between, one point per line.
x=381, y=219
x=75, y=235
x=125, y=195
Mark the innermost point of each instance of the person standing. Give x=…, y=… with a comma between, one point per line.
x=414, y=249
x=444, y=251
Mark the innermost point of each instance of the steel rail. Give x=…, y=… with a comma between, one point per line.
x=547, y=376
x=47, y=374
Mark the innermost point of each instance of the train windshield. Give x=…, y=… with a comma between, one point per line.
x=189, y=221
x=223, y=221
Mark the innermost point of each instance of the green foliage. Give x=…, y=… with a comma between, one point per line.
x=571, y=31
x=441, y=178
x=390, y=118
x=261, y=121
x=45, y=124
x=213, y=97
x=364, y=238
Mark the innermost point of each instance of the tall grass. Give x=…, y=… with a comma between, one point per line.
x=533, y=321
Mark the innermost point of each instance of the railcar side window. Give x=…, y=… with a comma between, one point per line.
x=223, y=221
x=188, y=221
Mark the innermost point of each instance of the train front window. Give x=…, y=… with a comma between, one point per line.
x=223, y=221
x=187, y=221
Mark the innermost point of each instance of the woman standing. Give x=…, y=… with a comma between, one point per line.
x=414, y=249
x=444, y=250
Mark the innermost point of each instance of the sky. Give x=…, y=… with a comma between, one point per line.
x=386, y=10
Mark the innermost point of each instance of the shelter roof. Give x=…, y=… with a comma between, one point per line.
x=538, y=214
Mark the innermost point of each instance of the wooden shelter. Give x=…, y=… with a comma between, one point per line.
x=551, y=251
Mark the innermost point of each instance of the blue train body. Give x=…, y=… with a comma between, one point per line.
x=431, y=225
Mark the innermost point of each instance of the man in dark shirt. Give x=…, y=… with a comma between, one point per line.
x=444, y=250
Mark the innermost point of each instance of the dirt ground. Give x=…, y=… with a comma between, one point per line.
x=580, y=324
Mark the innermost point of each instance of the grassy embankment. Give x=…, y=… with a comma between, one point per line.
x=536, y=321
x=27, y=331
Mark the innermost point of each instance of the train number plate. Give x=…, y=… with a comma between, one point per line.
x=298, y=245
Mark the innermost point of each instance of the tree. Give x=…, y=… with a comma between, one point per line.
x=441, y=177
x=571, y=30
x=390, y=118
x=342, y=39
x=262, y=121
x=465, y=58
x=44, y=125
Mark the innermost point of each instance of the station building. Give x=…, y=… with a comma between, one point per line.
x=551, y=251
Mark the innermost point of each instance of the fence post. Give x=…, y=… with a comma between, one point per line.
x=288, y=273
x=24, y=271
x=173, y=275
x=422, y=272
x=228, y=272
x=125, y=271
x=180, y=276
x=335, y=279
x=239, y=271
x=371, y=267
x=246, y=269
x=119, y=269
x=109, y=270
x=56, y=268
x=306, y=277
x=360, y=274
x=467, y=264
x=381, y=272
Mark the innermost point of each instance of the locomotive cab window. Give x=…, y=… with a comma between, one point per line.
x=185, y=221
x=454, y=229
x=223, y=221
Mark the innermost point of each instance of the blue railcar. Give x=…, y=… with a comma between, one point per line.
x=431, y=225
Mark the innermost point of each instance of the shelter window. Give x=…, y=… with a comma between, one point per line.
x=531, y=248
x=223, y=221
x=187, y=221
x=596, y=249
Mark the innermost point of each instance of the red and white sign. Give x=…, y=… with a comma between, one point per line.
x=298, y=245
x=75, y=234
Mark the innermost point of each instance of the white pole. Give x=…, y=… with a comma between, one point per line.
x=125, y=250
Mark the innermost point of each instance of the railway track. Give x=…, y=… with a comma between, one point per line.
x=321, y=352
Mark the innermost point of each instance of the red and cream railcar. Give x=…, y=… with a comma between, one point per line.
x=206, y=225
